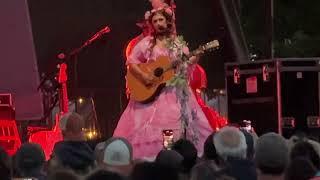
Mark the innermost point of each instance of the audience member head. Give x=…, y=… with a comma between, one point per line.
x=209, y=150
x=189, y=152
x=72, y=125
x=117, y=155
x=300, y=136
x=117, y=152
x=300, y=169
x=5, y=165
x=153, y=171
x=305, y=150
x=29, y=160
x=63, y=175
x=73, y=155
x=315, y=145
x=230, y=143
x=99, y=152
x=170, y=158
x=208, y=170
x=272, y=154
x=103, y=175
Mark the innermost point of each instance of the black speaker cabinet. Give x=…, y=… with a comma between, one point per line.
x=280, y=95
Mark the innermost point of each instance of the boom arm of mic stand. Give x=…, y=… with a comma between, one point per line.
x=89, y=41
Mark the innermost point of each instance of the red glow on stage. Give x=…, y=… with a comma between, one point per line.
x=46, y=138
x=132, y=43
x=199, y=78
x=9, y=136
x=198, y=81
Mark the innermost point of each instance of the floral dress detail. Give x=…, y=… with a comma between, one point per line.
x=175, y=108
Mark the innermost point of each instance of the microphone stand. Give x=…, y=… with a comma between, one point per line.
x=51, y=76
x=76, y=51
x=64, y=57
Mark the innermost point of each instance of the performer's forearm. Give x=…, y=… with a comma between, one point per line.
x=134, y=68
x=194, y=59
x=145, y=77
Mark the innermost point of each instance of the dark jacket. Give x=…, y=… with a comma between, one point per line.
x=241, y=169
x=76, y=155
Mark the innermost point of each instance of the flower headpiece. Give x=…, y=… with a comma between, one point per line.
x=164, y=6
x=167, y=9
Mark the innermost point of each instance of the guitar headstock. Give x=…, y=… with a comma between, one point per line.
x=208, y=46
x=211, y=45
x=62, y=76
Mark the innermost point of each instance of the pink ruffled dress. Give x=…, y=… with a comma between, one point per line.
x=142, y=124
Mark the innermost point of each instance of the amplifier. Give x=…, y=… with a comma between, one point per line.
x=274, y=94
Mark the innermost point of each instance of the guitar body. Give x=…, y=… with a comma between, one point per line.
x=142, y=93
x=163, y=69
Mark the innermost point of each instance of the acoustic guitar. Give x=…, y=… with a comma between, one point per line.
x=163, y=69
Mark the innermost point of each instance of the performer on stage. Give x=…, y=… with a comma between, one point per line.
x=198, y=78
x=176, y=107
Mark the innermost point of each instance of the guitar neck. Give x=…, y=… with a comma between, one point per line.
x=196, y=52
x=176, y=63
x=63, y=94
x=202, y=49
x=64, y=98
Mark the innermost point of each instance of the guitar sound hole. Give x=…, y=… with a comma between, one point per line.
x=158, y=72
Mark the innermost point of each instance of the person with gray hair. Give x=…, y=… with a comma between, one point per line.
x=230, y=142
x=231, y=146
x=117, y=156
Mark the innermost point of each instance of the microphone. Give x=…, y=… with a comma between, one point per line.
x=105, y=30
x=100, y=33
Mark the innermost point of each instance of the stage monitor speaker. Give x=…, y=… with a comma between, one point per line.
x=276, y=95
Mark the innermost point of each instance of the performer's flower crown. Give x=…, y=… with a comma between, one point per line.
x=167, y=9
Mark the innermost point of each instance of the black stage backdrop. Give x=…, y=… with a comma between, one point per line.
x=60, y=26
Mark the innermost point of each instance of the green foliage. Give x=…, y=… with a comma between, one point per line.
x=296, y=27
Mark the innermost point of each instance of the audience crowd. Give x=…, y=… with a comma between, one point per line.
x=229, y=154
